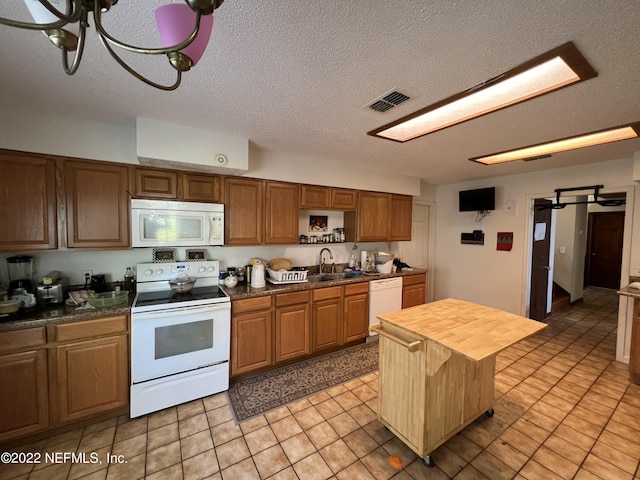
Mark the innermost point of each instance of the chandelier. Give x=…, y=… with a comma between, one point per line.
x=184, y=32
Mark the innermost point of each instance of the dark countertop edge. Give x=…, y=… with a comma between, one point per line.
x=62, y=314
x=245, y=291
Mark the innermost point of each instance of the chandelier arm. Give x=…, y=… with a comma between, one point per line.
x=77, y=58
x=64, y=19
x=136, y=74
x=102, y=34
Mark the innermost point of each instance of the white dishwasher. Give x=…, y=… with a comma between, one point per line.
x=385, y=296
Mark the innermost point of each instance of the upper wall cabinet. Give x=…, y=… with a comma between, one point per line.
x=320, y=198
x=173, y=185
x=401, y=217
x=281, y=213
x=202, y=188
x=27, y=202
x=152, y=183
x=370, y=222
x=97, y=204
x=243, y=200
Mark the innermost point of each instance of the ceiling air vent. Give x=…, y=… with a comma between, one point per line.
x=388, y=101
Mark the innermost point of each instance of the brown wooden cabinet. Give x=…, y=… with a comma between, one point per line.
x=281, y=213
x=91, y=374
x=414, y=290
x=243, y=222
x=27, y=202
x=318, y=197
x=251, y=334
x=153, y=183
x=370, y=222
x=292, y=325
x=23, y=383
x=202, y=188
x=401, y=218
x=326, y=318
x=97, y=204
x=356, y=311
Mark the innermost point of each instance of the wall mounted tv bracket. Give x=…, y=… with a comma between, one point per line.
x=603, y=202
x=475, y=238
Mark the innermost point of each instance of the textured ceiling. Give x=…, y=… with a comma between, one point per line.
x=295, y=76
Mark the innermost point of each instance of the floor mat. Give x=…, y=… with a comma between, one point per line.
x=256, y=395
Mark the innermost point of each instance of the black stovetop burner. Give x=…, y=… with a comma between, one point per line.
x=169, y=297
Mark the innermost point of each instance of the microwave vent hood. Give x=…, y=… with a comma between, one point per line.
x=178, y=147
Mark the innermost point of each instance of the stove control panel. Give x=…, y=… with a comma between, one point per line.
x=154, y=272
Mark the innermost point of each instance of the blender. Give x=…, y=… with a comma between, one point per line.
x=20, y=271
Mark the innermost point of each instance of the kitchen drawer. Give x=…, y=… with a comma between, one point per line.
x=22, y=339
x=292, y=298
x=356, y=289
x=325, y=293
x=414, y=279
x=90, y=328
x=251, y=304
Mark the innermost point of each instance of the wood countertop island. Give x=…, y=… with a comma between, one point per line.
x=437, y=368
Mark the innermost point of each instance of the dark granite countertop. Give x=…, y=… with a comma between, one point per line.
x=243, y=290
x=41, y=316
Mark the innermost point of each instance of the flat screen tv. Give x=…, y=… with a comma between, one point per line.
x=481, y=199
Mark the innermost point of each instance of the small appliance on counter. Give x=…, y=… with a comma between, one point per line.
x=20, y=272
x=98, y=283
x=52, y=289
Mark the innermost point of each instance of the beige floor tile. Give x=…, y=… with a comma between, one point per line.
x=130, y=429
x=615, y=457
x=133, y=468
x=162, y=418
x=329, y=408
x=162, y=436
x=377, y=462
x=338, y=455
x=131, y=446
x=297, y=447
x=244, y=470
x=225, y=432
x=313, y=467
x=568, y=450
x=173, y=472
x=101, y=438
x=604, y=469
x=492, y=467
x=271, y=461
x=347, y=400
x=203, y=465
x=56, y=471
x=92, y=464
x=286, y=428
x=343, y=424
x=356, y=471
x=196, y=444
x=260, y=439
x=362, y=414
x=360, y=442
x=299, y=405
x=190, y=409
x=191, y=425
x=163, y=457
x=287, y=474
x=219, y=415
x=319, y=397
x=308, y=417
x=322, y=435
x=232, y=452
x=253, y=424
x=277, y=414
x=555, y=462
x=378, y=432
x=215, y=401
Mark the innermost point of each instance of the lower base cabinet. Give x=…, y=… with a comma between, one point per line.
x=251, y=338
x=92, y=377
x=292, y=326
x=327, y=318
x=356, y=312
x=24, y=393
x=414, y=290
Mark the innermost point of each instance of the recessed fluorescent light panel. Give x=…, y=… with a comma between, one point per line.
x=550, y=71
x=615, y=134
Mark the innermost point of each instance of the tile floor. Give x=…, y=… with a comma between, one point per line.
x=564, y=409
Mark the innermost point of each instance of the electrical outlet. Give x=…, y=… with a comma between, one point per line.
x=86, y=275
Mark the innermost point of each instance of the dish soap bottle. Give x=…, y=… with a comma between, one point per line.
x=129, y=280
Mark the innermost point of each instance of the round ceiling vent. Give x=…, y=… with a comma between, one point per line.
x=221, y=160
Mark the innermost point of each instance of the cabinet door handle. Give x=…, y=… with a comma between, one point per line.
x=411, y=346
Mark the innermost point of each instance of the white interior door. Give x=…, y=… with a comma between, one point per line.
x=416, y=252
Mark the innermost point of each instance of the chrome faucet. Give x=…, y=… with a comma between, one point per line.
x=321, y=265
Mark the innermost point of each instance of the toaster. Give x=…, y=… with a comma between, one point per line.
x=53, y=293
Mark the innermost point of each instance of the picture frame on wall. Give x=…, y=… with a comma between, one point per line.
x=195, y=254
x=164, y=255
x=318, y=223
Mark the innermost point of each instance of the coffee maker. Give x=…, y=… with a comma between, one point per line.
x=20, y=272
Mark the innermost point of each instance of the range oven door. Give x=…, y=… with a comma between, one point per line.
x=174, y=340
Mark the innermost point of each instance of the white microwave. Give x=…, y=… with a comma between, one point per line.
x=165, y=223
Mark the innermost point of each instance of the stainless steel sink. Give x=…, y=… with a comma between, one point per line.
x=328, y=277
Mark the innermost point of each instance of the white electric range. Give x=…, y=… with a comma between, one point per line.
x=180, y=342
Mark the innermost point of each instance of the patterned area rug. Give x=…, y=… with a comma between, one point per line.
x=256, y=395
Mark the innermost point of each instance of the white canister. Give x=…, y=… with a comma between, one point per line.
x=257, y=276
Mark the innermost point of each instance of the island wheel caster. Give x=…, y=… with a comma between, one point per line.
x=428, y=461
x=489, y=413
